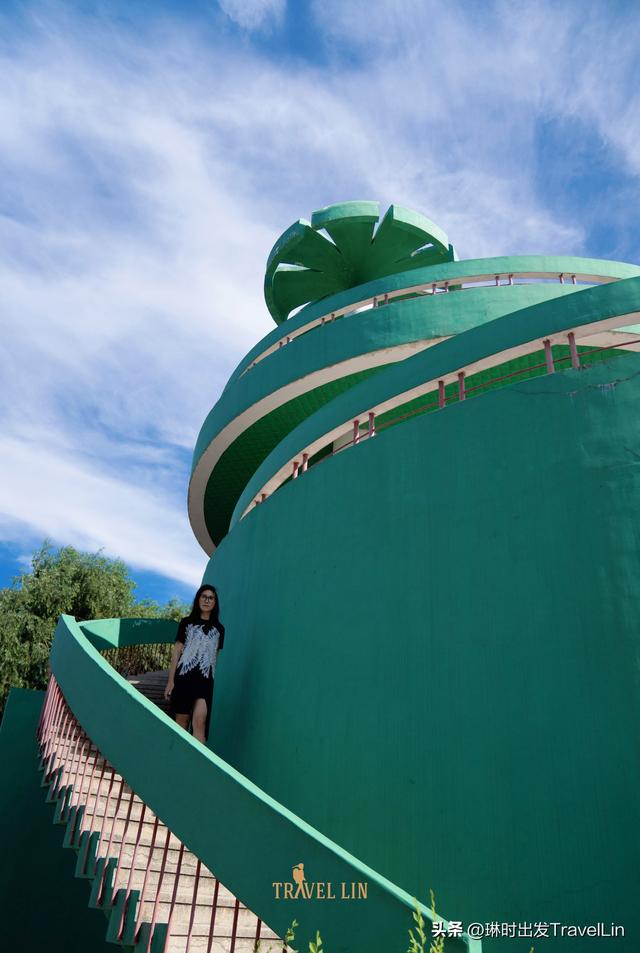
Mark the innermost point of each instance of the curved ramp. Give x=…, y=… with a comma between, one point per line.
x=182, y=852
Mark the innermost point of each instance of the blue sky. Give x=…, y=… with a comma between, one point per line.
x=152, y=152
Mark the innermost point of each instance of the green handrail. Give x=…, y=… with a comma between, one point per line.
x=249, y=840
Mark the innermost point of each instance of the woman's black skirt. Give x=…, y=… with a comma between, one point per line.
x=187, y=689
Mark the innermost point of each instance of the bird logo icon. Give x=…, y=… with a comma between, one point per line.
x=298, y=876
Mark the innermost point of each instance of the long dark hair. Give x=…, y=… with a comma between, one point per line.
x=215, y=612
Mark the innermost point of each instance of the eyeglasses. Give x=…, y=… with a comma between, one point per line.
x=207, y=598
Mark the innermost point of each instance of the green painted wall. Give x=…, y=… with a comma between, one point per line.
x=619, y=300
x=243, y=836
x=44, y=908
x=432, y=653
x=399, y=322
x=553, y=264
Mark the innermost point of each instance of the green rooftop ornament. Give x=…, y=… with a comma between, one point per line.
x=306, y=265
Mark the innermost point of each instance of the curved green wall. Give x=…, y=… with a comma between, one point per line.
x=452, y=271
x=433, y=636
x=432, y=652
x=239, y=833
x=258, y=408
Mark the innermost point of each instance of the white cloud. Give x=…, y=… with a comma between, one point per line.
x=461, y=98
x=253, y=14
x=146, y=177
x=131, y=284
x=48, y=493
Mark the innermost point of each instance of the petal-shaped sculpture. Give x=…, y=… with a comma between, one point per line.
x=305, y=266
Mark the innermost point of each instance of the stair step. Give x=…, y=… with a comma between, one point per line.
x=105, y=802
x=245, y=927
x=206, y=882
x=184, y=895
x=222, y=944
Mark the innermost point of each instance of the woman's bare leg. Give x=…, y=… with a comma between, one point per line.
x=199, y=719
x=183, y=721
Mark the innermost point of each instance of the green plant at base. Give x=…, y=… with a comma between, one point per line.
x=317, y=946
x=290, y=935
x=418, y=942
x=438, y=945
x=288, y=938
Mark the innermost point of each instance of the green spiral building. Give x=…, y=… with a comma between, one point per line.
x=438, y=627
x=420, y=495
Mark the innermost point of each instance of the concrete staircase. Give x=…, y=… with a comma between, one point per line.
x=158, y=897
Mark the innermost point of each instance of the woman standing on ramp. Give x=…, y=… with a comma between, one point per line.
x=193, y=663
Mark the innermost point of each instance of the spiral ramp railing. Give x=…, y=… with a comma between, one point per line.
x=570, y=333
x=168, y=835
x=365, y=354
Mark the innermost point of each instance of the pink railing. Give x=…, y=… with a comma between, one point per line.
x=575, y=358
x=429, y=288
x=81, y=784
x=137, y=659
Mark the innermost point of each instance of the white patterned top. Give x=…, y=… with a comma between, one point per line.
x=200, y=649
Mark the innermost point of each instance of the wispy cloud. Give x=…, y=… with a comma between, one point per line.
x=146, y=174
x=70, y=500
x=464, y=98
x=253, y=14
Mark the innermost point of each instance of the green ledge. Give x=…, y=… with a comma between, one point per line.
x=304, y=265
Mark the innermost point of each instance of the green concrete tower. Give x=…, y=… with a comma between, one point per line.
x=420, y=494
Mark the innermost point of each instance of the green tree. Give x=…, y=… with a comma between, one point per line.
x=85, y=585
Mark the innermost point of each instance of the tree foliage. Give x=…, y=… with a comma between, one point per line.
x=85, y=585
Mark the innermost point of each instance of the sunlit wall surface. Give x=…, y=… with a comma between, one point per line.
x=420, y=493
